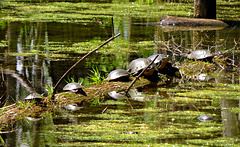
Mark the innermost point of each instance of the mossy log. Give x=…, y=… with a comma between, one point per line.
x=184, y=21
x=96, y=91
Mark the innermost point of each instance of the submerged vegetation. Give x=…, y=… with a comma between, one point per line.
x=153, y=114
x=86, y=12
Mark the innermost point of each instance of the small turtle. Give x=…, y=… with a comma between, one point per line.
x=205, y=118
x=204, y=55
x=136, y=66
x=160, y=61
x=34, y=119
x=73, y=107
x=118, y=75
x=115, y=95
x=74, y=88
x=34, y=97
x=204, y=77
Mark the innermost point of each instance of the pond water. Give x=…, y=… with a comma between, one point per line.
x=39, y=53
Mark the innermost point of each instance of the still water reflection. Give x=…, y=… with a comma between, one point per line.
x=27, y=66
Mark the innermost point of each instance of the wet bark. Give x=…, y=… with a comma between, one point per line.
x=205, y=9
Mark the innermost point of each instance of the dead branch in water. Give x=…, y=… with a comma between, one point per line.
x=104, y=43
x=56, y=85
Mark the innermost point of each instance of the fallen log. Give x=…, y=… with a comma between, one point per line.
x=183, y=21
x=97, y=91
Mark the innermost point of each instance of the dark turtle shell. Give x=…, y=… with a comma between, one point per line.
x=200, y=55
x=74, y=88
x=136, y=66
x=205, y=118
x=160, y=61
x=118, y=75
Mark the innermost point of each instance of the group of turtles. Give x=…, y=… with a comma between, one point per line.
x=154, y=66
x=160, y=66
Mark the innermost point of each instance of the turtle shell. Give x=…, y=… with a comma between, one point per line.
x=34, y=97
x=118, y=75
x=200, y=55
x=136, y=66
x=74, y=88
x=115, y=95
x=205, y=118
x=73, y=107
x=161, y=60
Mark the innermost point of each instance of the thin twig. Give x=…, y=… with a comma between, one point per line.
x=140, y=75
x=57, y=84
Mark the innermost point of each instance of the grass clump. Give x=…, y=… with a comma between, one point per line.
x=96, y=76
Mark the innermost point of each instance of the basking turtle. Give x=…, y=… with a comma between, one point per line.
x=160, y=61
x=74, y=88
x=205, y=118
x=118, y=75
x=34, y=97
x=164, y=67
x=138, y=65
x=204, y=55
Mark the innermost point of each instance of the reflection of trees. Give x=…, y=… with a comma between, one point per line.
x=229, y=119
x=26, y=38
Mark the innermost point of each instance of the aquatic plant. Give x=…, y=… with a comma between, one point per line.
x=96, y=76
x=72, y=80
x=2, y=141
x=49, y=89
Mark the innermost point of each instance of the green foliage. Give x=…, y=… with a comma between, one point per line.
x=49, y=89
x=72, y=80
x=2, y=141
x=96, y=76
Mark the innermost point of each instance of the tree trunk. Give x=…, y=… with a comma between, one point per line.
x=205, y=9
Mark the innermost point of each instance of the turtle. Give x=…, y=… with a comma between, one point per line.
x=205, y=118
x=34, y=97
x=138, y=65
x=118, y=75
x=165, y=67
x=73, y=107
x=204, y=55
x=74, y=88
x=160, y=61
x=34, y=119
x=116, y=95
